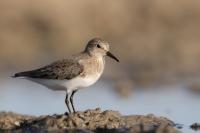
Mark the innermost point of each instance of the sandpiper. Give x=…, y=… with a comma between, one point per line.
x=73, y=73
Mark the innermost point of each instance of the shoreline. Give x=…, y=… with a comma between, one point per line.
x=92, y=120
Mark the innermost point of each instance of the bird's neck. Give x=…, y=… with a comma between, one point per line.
x=92, y=54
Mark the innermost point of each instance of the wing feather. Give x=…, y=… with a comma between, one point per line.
x=64, y=69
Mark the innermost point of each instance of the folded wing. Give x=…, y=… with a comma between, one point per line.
x=64, y=69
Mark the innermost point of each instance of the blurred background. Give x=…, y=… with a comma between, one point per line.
x=157, y=42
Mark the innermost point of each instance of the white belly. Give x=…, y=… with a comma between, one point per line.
x=67, y=85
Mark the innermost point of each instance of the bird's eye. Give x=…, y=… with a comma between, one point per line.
x=98, y=46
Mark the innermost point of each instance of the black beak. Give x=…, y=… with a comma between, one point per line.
x=112, y=56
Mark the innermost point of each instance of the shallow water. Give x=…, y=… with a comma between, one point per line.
x=175, y=102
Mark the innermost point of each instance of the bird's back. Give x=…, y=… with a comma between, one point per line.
x=63, y=69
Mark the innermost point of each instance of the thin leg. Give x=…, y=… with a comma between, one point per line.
x=67, y=103
x=71, y=100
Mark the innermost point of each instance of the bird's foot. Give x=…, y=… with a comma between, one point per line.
x=66, y=113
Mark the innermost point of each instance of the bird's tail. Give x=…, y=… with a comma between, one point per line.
x=20, y=74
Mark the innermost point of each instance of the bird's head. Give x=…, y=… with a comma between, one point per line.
x=99, y=48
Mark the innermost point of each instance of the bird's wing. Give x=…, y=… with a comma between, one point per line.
x=64, y=69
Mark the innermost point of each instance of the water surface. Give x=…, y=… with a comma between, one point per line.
x=175, y=102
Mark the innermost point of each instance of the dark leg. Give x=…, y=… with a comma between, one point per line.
x=71, y=100
x=67, y=103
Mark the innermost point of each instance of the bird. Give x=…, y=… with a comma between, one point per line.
x=74, y=72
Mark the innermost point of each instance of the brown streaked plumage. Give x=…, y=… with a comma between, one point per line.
x=63, y=69
x=70, y=74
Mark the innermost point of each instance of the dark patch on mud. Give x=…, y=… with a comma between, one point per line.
x=195, y=126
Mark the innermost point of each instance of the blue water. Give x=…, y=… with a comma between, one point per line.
x=175, y=102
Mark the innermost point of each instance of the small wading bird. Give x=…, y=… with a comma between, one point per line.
x=70, y=74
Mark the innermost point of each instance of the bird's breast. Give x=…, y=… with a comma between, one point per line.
x=94, y=66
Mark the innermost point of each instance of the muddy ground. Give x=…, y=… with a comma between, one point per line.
x=87, y=121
